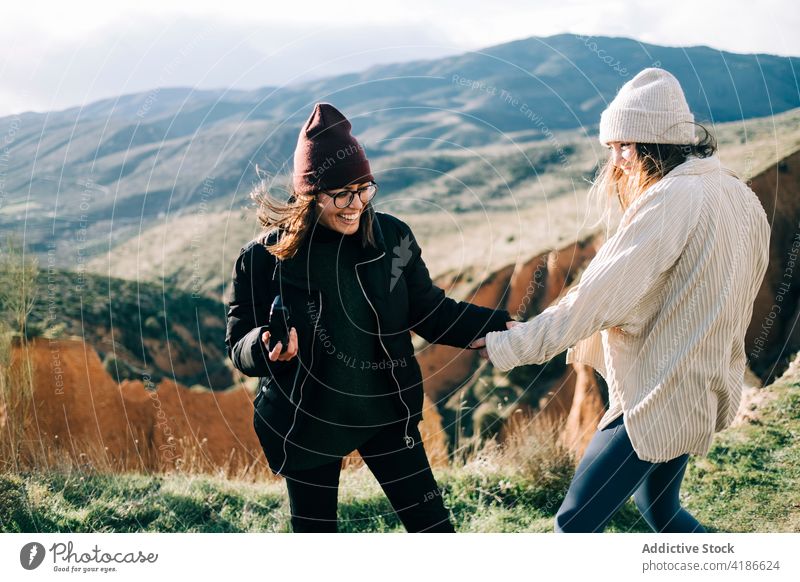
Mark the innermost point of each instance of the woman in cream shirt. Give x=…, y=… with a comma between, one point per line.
x=660, y=312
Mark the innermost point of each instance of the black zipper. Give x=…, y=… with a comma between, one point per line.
x=409, y=441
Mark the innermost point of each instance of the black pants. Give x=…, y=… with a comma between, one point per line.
x=404, y=474
x=607, y=476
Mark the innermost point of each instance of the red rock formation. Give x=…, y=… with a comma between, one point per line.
x=538, y=282
x=528, y=287
x=566, y=264
x=774, y=333
x=444, y=368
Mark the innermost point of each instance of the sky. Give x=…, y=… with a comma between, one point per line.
x=62, y=54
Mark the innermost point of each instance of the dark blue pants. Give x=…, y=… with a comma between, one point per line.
x=404, y=475
x=607, y=476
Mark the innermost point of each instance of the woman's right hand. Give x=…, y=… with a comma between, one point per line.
x=275, y=355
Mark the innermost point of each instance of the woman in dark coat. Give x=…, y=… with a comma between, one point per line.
x=355, y=285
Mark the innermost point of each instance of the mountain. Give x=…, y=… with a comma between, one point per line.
x=84, y=179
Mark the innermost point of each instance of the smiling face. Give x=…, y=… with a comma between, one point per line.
x=343, y=220
x=622, y=155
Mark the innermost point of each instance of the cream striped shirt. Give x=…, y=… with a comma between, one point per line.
x=661, y=311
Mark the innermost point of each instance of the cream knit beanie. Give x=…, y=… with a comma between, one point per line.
x=650, y=108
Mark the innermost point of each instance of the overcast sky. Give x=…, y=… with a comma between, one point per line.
x=59, y=54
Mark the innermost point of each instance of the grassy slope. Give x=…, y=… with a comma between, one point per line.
x=749, y=482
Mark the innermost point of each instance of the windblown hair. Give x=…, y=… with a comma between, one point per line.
x=651, y=163
x=295, y=217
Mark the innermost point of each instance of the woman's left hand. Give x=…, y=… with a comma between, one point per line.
x=480, y=344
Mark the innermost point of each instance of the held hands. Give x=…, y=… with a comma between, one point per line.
x=480, y=344
x=291, y=350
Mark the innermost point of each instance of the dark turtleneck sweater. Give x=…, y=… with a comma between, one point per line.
x=356, y=396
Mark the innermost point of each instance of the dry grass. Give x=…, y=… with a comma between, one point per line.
x=18, y=275
x=16, y=403
x=533, y=447
x=92, y=457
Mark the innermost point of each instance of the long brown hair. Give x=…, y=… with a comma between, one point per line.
x=295, y=217
x=650, y=164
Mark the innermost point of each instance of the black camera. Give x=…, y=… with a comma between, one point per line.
x=278, y=324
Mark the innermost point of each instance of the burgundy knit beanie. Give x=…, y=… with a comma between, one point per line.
x=327, y=155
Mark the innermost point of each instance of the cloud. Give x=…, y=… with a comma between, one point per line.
x=202, y=53
x=73, y=53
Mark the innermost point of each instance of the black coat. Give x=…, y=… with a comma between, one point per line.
x=397, y=285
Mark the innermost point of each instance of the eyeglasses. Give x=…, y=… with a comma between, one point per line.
x=344, y=198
